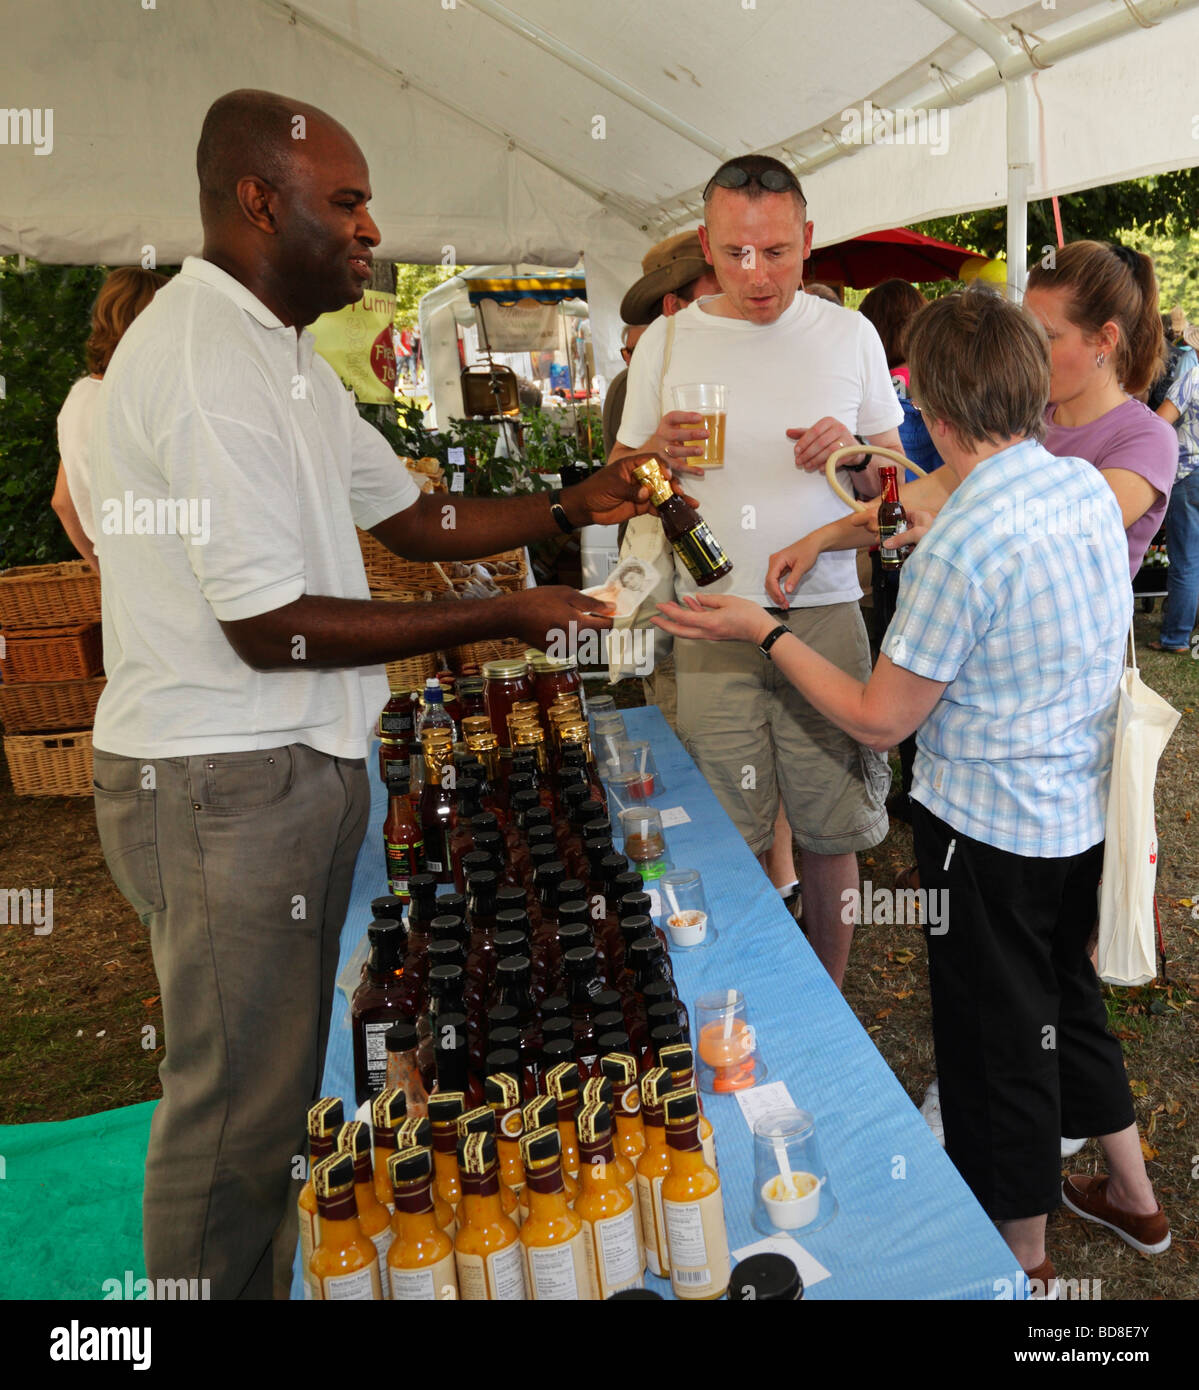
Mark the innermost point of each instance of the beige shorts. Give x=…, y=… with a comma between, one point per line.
x=756, y=739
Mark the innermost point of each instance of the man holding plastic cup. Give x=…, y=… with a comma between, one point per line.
x=801, y=378
x=1005, y=653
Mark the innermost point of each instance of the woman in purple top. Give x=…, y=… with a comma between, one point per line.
x=1098, y=304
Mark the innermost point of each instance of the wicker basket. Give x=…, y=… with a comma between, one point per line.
x=65, y=653
x=49, y=595
x=50, y=764
x=388, y=573
x=39, y=706
x=495, y=649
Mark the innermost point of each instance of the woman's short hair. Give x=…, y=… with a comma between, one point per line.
x=123, y=295
x=980, y=364
x=1110, y=283
x=891, y=307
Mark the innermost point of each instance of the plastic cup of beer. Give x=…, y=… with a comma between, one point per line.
x=709, y=400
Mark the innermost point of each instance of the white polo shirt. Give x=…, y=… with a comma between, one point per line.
x=816, y=359
x=215, y=420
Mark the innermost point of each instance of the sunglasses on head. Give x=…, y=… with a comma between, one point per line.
x=734, y=176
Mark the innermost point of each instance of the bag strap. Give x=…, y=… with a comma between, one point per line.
x=666, y=355
x=1132, y=652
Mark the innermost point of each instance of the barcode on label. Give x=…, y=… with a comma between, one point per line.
x=691, y=1276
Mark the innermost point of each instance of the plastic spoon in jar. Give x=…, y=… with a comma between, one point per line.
x=730, y=1017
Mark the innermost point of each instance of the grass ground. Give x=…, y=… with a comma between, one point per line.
x=81, y=1024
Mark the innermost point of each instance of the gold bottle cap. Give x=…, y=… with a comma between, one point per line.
x=325, y=1117
x=354, y=1139
x=594, y=1123
x=541, y=1145
x=476, y=724
x=655, y=1086
x=410, y=1165
x=480, y=1120
x=527, y=707
x=563, y=1080
x=502, y=1091
x=544, y=665
x=649, y=472
x=505, y=669
x=416, y=1132
x=620, y=1068
x=540, y=1111
x=388, y=1109
x=680, y=1107
x=476, y=1153
x=334, y=1175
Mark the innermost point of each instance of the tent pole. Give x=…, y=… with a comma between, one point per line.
x=1018, y=95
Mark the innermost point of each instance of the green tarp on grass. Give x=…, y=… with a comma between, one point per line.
x=71, y=1204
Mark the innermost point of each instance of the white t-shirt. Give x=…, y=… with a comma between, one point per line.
x=74, y=438
x=815, y=360
x=211, y=402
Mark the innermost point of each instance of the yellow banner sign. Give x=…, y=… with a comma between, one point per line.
x=356, y=342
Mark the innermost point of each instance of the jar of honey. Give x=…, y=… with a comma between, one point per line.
x=553, y=678
x=505, y=684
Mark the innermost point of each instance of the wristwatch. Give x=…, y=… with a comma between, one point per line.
x=771, y=638
x=558, y=512
x=859, y=467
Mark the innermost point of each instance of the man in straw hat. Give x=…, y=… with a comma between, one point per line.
x=803, y=377
x=675, y=275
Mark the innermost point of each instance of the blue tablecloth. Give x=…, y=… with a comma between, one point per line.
x=919, y=1235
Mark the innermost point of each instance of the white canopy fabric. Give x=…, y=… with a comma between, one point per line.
x=538, y=130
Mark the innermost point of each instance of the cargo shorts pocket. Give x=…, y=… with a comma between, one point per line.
x=126, y=819
x=876, y=775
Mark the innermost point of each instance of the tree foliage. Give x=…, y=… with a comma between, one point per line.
x=1161, y=206
x=45, y=317
x=414, y=281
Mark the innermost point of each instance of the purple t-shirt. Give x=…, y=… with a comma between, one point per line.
x=1129, y=436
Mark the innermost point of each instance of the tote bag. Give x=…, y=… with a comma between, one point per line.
x=645, y=537
x=1143, y=727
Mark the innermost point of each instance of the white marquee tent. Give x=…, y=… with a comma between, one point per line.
x=533, y=131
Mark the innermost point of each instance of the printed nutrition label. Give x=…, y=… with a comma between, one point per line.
x=552, y=1272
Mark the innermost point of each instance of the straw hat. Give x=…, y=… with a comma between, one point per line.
x=1182, y=329
x=668, y=266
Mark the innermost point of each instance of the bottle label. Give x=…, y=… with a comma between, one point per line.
x=402, y=860
x=632, y=1186
x=559, y=1272
x=426, y=1285
x=708, y=1145
x=382, y=1242
x=472, y=1277
x=700, y=551
x=649, y=1196
x=506, y=1274
x=618, y=1255
x=699, y=1246
x=361, y=1286
x=308, y=1239
x=374, y=1036
x=396, y=725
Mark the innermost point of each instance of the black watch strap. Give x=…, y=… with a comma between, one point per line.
x=865, y=463
x=558, y=512
x=772, y=637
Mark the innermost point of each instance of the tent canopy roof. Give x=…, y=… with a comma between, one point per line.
x=529, y=131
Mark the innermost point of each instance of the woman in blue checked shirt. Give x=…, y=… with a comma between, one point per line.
x=1005, y=654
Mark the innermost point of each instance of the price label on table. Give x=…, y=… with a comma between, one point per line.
x=762, y=1100
x=456, y=457
x=811, y=1271
x=675, y=815
x=458, y=482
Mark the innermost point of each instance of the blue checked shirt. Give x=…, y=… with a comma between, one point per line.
x=1019, y=598
x=1184, y=396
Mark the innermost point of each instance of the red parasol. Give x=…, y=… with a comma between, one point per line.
x=895, y=254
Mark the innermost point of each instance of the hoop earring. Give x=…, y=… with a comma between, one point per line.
x=1100, y=359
